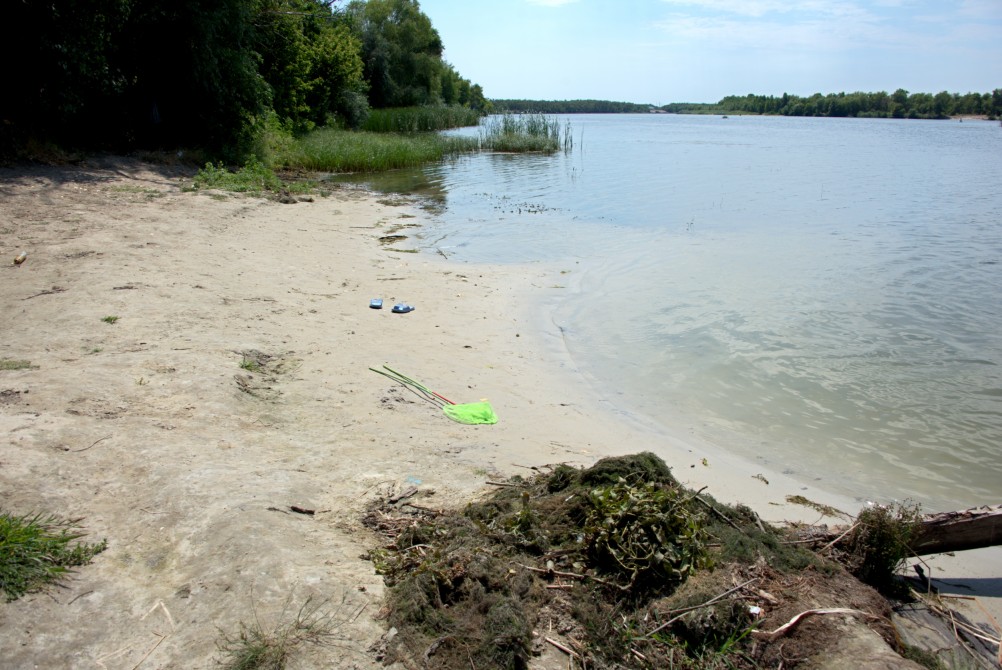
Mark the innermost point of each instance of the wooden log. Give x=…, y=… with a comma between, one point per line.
x=973, y=528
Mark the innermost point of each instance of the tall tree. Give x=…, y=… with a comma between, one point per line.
x=401, y=50
x=311, y=62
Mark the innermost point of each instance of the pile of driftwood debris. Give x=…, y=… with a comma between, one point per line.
x=619, y=566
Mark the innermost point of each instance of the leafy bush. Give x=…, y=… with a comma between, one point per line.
x=253, y=177
x=35, y=552
x=879, y=542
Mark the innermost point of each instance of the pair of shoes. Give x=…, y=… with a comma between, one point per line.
x=401, y=308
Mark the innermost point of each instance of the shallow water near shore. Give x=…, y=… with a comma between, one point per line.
x=823, y=296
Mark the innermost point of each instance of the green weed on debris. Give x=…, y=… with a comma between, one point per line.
x=604, y=554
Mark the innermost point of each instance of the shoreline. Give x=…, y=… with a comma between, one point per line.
x=189, y=464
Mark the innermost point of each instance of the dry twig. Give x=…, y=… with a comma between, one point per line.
x=563, y=648
x=106, y=437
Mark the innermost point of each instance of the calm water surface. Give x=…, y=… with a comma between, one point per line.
x=820, y=295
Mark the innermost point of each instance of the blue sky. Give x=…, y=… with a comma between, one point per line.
x=662, y=51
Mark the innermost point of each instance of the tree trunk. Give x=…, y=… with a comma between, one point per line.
x=939, y=533
x=973, y=528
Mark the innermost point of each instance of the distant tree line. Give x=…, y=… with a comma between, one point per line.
x=898, y=105
x=125, y=73
x=569, y=106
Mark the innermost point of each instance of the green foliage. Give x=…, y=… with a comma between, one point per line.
x=569, y=107
x=35, y=551
x=253, y=177
x=879, y=542
x=645, y=534
x=402, y=52
x=900, y=104
x=420, y=119
x=67, y=64
x=311, y=62
x=210, y=73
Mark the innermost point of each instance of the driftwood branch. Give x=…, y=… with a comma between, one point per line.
x=973, y=528
x=940, y=533
x=567, y=650
x=792, y=623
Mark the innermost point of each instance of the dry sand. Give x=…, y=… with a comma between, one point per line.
x=150, y=430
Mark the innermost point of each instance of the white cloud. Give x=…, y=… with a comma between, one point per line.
x=729, y=34
x=774, y=25
x=551, y=3
x=760, y=8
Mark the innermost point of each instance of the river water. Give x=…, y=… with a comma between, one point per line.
x=823, y=296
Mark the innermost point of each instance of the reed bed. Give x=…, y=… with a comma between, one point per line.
x=336, y=150
x=331, y=150
x=420, y=119
x=521, y=133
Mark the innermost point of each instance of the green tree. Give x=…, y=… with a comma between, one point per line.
x=118, y=72
x=942, y=104
x=61, y=63
x=996, y=106
x=401, y=51
x=311, y=62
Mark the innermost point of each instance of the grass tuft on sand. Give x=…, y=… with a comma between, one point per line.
x=253, y=647
x=38, y=550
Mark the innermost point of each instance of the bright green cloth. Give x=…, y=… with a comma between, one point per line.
x=471, y=412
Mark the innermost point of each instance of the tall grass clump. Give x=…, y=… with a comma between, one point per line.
x=524, y=133
x=254, y=647
x=420, y=119
x=332, y=150
x=36, y=551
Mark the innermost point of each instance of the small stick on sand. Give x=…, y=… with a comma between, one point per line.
x=95, y=443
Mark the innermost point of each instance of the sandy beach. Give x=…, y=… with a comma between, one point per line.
x=235, y=384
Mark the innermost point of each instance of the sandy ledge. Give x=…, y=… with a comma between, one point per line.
x=188, y=464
